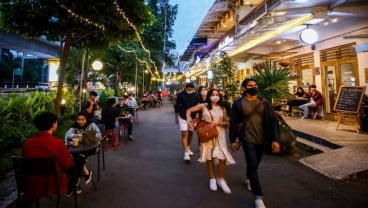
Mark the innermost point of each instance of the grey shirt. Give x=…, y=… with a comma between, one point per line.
x=253, y=124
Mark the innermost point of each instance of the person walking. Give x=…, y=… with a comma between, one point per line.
x=214, y=151
x=202, y=93
x=185, y=100
x=253, y=122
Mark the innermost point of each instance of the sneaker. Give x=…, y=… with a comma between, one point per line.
x=247, y=184
x=223, y=185
x=70, y=193
x=213, y=185
x=190, y=152
x=79, y=191
x=131, y=138
x=88, y=178
x=186, y=157
x=259, y=203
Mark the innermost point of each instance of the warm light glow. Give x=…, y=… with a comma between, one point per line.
x=97, y=65
x=308, y=36
x=271, y=34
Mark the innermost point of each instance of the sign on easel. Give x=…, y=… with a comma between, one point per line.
x=349, y=100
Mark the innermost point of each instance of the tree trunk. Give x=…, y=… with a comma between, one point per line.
x=63, y=62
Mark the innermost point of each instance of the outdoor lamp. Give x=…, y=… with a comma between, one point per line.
x=308, y=36
x=97, y=65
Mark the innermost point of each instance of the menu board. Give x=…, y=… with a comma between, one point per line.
x=349, y=99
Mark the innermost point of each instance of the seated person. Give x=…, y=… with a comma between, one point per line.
x=297, y=100
x=45, y=145
x=300, y=94
x=76, y=130
x=123, y=110
x=109, y=117
x=131, y=102
x=315, y=99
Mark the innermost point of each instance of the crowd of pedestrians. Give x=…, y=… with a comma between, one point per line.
x=251, y=121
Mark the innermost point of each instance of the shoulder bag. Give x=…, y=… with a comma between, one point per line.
x=205, y=130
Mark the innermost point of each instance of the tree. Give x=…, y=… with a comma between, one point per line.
x=79, y=23
x=223, y=72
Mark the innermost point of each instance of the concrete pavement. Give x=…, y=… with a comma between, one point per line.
x=150, y=173
x=344, y=152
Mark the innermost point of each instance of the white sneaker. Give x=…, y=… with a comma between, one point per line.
x=247, y=184
x=259, y=203
x=213, y=185
x=223, y=185
x=190, y=152
x=186, y=157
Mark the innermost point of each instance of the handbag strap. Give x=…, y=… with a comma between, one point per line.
x=209, y=112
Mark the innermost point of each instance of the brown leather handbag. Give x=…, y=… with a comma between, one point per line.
x=205, y=130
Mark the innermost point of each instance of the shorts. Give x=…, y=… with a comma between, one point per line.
x=183, y=125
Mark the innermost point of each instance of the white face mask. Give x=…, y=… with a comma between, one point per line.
x=190, y=92
x=204, y=93
x=215, y=98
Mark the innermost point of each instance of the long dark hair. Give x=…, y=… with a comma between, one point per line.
x=208, y=99
x=88, y=121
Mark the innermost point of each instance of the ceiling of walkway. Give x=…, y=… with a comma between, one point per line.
x=269, y=29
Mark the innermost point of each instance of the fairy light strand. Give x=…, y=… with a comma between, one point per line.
x=80, y=18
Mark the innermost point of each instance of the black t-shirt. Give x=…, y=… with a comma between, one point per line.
x=109, y=115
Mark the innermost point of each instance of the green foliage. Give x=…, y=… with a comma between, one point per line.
x=273, y=82
x=105, y=94
x=91, y=27
x=223, y=71
x=16, y=118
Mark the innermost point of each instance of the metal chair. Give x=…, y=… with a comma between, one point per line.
x=28, y=167
x=102, y=128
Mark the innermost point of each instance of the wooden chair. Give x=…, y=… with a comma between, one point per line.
x=25, y=167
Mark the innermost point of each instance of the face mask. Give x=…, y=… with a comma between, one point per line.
x=215, y=98
x=204, y=93
x=252, y=91
x=190, y=92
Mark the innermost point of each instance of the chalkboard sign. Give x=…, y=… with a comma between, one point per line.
x=349, y=99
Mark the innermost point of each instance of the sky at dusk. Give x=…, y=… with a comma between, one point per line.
x=189, y=17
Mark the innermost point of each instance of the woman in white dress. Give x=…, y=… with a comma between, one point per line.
x=214, y=152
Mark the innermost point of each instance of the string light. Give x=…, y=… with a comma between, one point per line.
x=80, y=18
x=122, y=13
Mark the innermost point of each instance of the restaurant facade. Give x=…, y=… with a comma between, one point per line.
x=334, y=54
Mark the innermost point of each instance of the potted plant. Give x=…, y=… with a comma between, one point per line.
x=273, y=81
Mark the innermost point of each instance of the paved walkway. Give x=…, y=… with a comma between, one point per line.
x=341, y=163
x=150, y=173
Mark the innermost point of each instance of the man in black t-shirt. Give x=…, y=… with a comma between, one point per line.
x=90, y=106
x=185, y=100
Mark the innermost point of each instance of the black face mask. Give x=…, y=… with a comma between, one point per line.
x=252, y=91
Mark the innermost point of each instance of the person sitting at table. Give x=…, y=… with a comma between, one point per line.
x=109, y=117
x=297, y=100
x=45, y=145
x=76, y=130
x=131, y=102
x=315, y=100
x=300, y=93
x=123, y=111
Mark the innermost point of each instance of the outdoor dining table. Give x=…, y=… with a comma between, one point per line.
x=294, y=105
x=83, y=148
